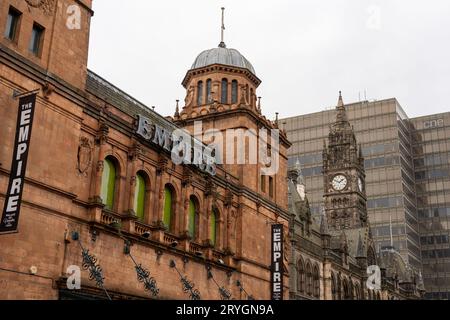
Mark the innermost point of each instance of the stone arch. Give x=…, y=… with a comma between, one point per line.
x=301, y=275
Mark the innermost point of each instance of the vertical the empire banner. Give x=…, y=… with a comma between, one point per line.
x=13, y=199
x=276, y=276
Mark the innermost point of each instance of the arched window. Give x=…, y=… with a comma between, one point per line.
x=351, y=295
x=108, y=188
x=214, y=220
x=168, y=215
x=345, y=289
x=338, y=288
x=208, y=91
x=309, y=285
x=200, y=93
x=193, y=218
x=357, y=292
x=333, y=287
x=224, y=97
x=371, y=260
x=139, y=196
x=301, y=276
x=316, y=279
x=234, y=91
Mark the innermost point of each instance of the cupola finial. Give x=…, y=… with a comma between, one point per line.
x=222, y=43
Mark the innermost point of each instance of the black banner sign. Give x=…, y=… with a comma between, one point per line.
x=276, y=276
x=11, y=210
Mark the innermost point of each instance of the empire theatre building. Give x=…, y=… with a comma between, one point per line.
x=102, y=199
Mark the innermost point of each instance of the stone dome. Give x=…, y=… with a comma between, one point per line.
x=222, y=55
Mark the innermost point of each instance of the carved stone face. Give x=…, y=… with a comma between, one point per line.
x=339, y=182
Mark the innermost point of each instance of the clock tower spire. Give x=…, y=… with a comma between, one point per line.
x=344, y=176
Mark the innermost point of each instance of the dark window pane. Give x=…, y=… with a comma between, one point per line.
x=234, y=89
x=36, y=39
x=12, y=23
x=224, y=98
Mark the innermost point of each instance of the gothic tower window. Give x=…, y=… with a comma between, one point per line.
x=234, y=91
x=333, y=287
x=208, y=91
x=168, y=214
x=309, y=282
x=108, y=187
x=200, y=93
x=193, y=218
x=301, y=276
x=224, y=97
x=316, y=279
x=139, y=196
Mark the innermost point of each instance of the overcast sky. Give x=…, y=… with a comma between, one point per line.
x=304, y=51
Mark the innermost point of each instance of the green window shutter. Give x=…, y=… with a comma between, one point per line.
x=192, y=219
x=139, y=197
x=108, y=184
x=212, y=227
x=167, y=216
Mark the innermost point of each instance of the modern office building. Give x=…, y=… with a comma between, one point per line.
x=407, y=178
x=432, y=172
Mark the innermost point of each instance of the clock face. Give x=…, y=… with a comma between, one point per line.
x=360, y=184
x=339, y=182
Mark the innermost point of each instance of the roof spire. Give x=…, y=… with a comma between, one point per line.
x=340, y=101
x=341, y=116
x=222, y=43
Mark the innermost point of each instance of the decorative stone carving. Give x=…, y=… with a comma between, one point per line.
x=100, y=166
x=47, y=6
x=228, y=198
x=187, y=176
x=189, y=97
x=84, y=156
x=135, y=151
x=102, y=134
x=48, y=89
x=162, y=164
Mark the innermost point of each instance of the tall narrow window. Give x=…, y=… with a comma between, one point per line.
x=333, y=288
x=309, y=281
x=234, y=91
x=12, y=24
x=37, y=37
x=168, y=210
x=108, y=183
x=139, y=197
x=301, y=277
x=200, y=93
x=224, y=98
x=193, y=218
x=263, y=183
x=316, y=280
x=208, y=91
x=271, y=187
x=213, y=227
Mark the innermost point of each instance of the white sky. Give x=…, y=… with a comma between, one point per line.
x=304, y=51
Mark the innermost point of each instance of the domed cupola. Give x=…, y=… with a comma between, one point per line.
x=224, y=56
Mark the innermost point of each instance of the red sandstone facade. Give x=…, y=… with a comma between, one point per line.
x=80, y=120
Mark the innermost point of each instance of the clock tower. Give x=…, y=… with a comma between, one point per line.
x=344, y=176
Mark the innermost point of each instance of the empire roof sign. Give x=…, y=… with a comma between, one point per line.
x=184, y=148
